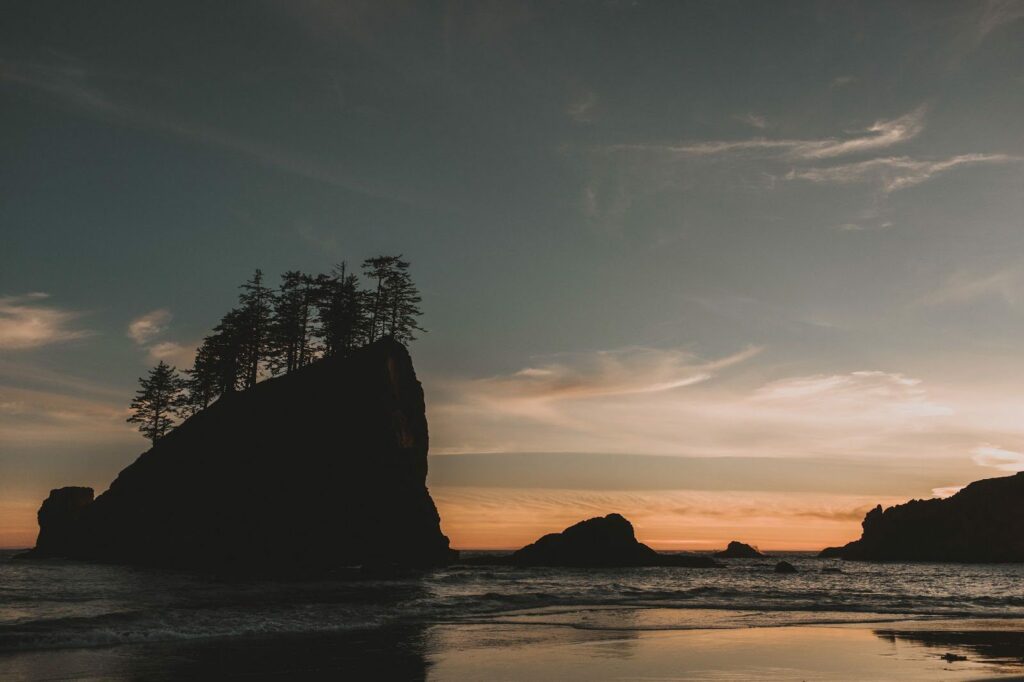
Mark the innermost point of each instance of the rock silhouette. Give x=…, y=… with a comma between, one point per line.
x=983, y=523
x=785, y=567
x=320, y=468
x=59, y=517
x=739, y=550
x=599, y=542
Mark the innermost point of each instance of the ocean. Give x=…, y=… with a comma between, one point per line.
x=133, y=616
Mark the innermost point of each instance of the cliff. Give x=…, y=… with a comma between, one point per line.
x=320, y=468
x=982, y=523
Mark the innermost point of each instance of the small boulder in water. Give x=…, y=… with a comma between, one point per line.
x=739, y=550
x=785, y=567
x=951, y=658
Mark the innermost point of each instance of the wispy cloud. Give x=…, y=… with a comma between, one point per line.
x=37, y=418
x=27, y=321
x=881, y=134
x=1006, y=285
x=894, y=173
x=753, y=120
x=995, y=14
x=145, y=328
x=988, y=455
x=179, y=355
x=582, y=107
x=75, y=86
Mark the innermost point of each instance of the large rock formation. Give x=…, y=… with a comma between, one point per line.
x=984, y=522
x=599, y=542
x=320, y=468
x=739, y=550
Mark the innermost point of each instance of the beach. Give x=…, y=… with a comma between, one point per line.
x=894, y=651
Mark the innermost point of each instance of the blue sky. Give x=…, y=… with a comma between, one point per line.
x=785, y=232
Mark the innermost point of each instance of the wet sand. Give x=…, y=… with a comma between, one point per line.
x=903, y=650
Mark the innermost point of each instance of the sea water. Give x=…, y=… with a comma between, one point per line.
x=57, y=604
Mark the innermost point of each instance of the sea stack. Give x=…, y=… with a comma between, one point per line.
x=983, y=523
x=320, y=468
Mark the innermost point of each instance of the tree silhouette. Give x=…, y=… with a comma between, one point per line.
x=394, y=301
x=254, y=322
x=342, y=310
x=158, y=402
x=291, y=330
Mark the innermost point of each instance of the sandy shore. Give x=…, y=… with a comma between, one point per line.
x=903, y=650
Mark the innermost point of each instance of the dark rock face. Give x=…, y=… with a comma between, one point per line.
x=982, y=523
x=601, y=541
x=320, y=468
x=785, y=567
x=739, y=550
x=59, y=517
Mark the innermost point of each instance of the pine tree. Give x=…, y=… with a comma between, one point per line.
x=342, y=311
x=158, y=402
x=255, y=311
x=378, y=270
x=202, y=385
x=292, y=325
x=403, y=299
x=394, y=306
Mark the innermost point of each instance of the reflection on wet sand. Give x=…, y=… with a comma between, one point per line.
x=1001, y=648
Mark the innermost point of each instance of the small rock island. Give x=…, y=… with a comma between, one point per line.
x=607, y=541
x=739, y=550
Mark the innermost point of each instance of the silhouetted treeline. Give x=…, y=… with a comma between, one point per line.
x=278, y=330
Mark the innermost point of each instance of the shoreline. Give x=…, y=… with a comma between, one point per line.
x=502, y=650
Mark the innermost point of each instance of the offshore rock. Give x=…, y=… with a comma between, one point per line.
x=983, y=523
x=739, y=550
x=599, y=542
x=321, y=468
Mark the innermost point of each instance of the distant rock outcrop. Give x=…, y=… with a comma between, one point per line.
x=601, y=541
x=320, y=468
x=785, y=567
x=59, y=518
x=983, y=523
x=739, y=550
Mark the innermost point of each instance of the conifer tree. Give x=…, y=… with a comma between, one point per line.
x=394, y=301
x=291, y=332
x=254, y=323
x=342, y=311
x=158, y=402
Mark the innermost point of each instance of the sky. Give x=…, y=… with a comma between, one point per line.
x=736, y=270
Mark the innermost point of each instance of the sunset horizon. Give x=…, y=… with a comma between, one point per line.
x=512, y=339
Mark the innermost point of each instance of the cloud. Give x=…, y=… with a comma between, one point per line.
x=75, y=86
x=879, y=135
x=946, y=491
x=27, y=322
x=145, y=328
x=868, y=394
x=893, y=173
x=581, y=108
x=988, y=455
x=173, y=353
x=1005, y=285
x=753, y=120
x=39, y=418
x=998, y=13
